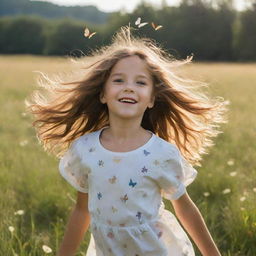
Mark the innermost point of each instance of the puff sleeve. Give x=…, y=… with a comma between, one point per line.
x=174, y=174
x=73, y=170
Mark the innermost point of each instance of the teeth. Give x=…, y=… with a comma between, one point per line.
x=128, y=100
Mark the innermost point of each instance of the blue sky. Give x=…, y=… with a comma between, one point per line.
x=128, y=5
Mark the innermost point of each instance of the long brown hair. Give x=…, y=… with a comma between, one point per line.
x=182, y=113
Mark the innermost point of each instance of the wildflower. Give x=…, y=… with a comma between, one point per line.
x=11, y=229
x=23, y=143
x=46, y=249
x=232, y=174
x=242, y=198
x=226, y=191
x=206, y=194
x=230, y=162
x=19, y=212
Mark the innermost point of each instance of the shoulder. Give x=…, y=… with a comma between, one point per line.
x=165, y=148
x=80, y=144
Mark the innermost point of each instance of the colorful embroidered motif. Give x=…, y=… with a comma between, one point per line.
x=92, y=149
x=132, y=184
x=114, y=209
x=112, y=180
x=138, y=215
x=146, y=153
x=124, y=198
x=99, y=195
x=144, y=169
x=101, y=163
x=117, y=159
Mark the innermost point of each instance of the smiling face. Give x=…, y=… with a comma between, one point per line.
x=128, y=91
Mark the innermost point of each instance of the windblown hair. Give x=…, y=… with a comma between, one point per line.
x=182, y=114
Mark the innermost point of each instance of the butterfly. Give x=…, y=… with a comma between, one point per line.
x=146, y=152
x=112, y=180
x=138, y=215
x=156, y=27
x=91, y=150
x=132, y=184
x=88, y=34
x=114, y=209
x=101, y=163
x=117, y=160
x=156, y=162
x=110, y=235
x=144, y=169
x=137, y=23
x=99, y=195
x=124, y=198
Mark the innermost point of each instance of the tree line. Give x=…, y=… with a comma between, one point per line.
x=195, y=27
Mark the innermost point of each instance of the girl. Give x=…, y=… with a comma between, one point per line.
x=132, y=128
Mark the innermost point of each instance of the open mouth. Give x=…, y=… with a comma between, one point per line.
x=127, y=100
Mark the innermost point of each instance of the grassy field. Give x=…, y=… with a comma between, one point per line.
x=36, y=202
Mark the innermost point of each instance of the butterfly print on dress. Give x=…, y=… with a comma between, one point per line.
x=146, y=153
x=99, y=195
x=124, y=198
x=101, y=163
x=144, y=169
x=132, y=184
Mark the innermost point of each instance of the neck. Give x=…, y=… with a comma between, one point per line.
x=124, y=130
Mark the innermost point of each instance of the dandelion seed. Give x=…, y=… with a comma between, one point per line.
x=24, y=114
x=226, y=191
x=232, y=174
x=242, y=209
x=19, y=212
x=46, y=249
x=11, y=229
x=206, y=194
x=23, y=143
x=230, y=162
x=242, y=198
x=254, y=190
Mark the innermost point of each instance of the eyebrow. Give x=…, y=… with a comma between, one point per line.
x=119, y=74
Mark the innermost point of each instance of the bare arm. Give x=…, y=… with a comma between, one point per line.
x=77, y=226
x=193, y=222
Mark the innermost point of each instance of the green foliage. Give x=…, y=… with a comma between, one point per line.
x=245, y=47
x=196, y=26
x=22, y=35
x=49, y=10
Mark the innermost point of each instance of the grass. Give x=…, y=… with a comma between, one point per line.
x=30, y=181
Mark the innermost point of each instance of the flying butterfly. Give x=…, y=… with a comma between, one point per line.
x=156, y=27
x=139, y=24
x=88, y=34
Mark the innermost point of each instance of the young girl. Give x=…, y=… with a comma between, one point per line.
x=132, y=127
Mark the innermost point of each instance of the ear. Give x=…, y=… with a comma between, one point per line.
x=152, y=102
x=102, y=98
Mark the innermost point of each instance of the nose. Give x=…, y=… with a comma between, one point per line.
x=128, y=86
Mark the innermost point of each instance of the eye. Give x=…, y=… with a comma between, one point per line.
x=141, y=83
x=118, y=80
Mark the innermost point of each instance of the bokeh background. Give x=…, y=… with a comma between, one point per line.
x=42, y=36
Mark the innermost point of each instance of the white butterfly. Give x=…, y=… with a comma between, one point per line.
x=139, y=24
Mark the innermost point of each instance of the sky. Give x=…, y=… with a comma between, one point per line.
x=127, y=5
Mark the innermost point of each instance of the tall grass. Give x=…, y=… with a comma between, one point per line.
x=225, y=190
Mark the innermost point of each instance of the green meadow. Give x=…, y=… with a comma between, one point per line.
x=36, y=202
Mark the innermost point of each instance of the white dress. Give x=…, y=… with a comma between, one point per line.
x=125, y=196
